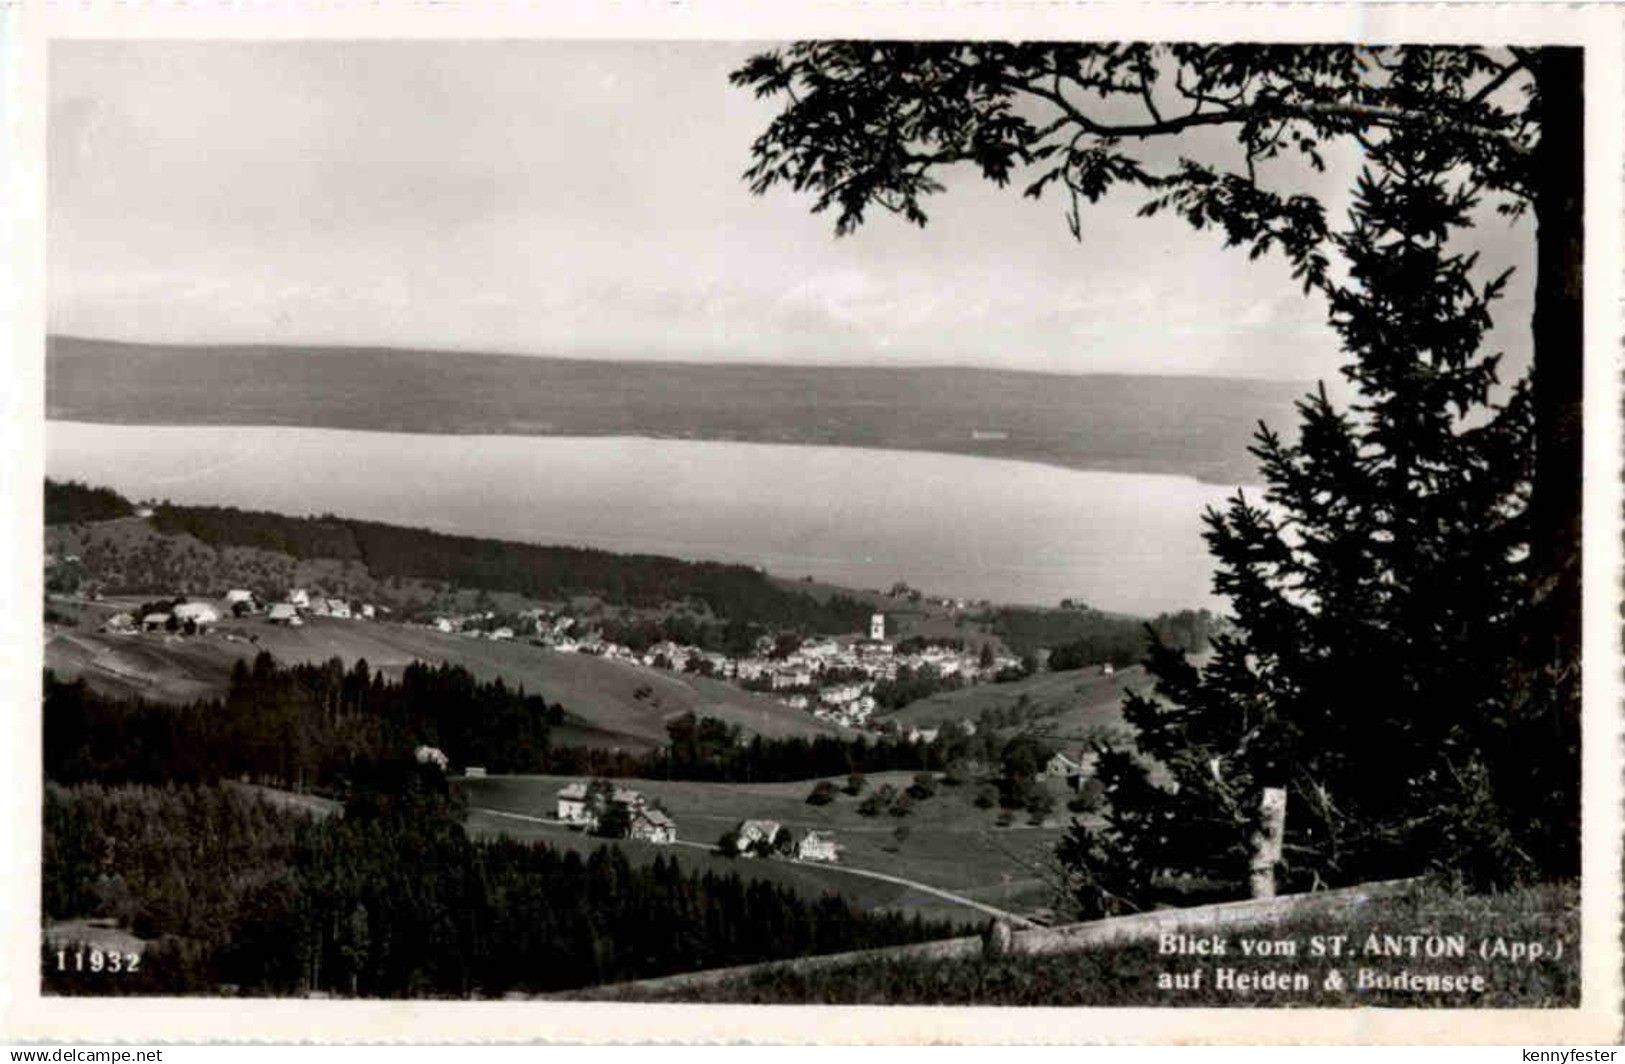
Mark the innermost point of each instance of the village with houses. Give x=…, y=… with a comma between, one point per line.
x=831, y=678
x=929, y=798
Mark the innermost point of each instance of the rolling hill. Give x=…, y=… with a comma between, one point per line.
x=1064, y=705
x=601, y=697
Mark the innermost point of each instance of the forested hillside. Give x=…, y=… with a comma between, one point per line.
x=734, y=592
x=261, y=550
x=69, y=502
x=392, y=899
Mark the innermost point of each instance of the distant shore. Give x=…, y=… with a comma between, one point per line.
x=1196, y=427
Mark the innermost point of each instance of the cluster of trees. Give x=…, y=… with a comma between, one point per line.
x=732, y=636
x=70, y=502
x=393, y=900
x=1085, y=636
x=897, y=801
x=1405, y=655
x=705, y=748
x=311, y=727
x=304, y=727
x=731, y=592
x=911, y=684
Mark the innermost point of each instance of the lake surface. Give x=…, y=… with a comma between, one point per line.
x=1012, y=532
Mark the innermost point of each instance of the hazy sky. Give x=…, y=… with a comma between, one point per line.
x=585, y=199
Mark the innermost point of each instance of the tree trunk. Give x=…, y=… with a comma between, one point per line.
x=1558, y=327
x=1268, y=842
x=1558, y=180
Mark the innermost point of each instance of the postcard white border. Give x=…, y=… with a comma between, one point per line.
x=26, y=27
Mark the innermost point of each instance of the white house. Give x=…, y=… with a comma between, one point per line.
x=299, y=597
x=877, y=627
x=573, y=804
x=284, y=613
x=239, y=594
x=155, y=622
x=1060, y=766
x=199, y=613
x=1073, y=770
x=368, y=611
x=338, y=608
x=816, y=846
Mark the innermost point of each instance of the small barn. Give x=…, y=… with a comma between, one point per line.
x=652, y=825
x=572, y=804
x=155, y=622
x=199, y=613
x=817, y=846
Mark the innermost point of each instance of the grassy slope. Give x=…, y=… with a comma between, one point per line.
x=1123, y=975
x=951, y=844
x=599, y=693
x=808, y=880
x=1081, y=699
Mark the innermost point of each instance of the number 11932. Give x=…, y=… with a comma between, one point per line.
x=96, y=960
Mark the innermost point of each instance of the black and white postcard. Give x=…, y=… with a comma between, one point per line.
x=1087, y=523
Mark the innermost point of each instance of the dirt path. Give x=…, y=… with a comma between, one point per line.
x=912, y=884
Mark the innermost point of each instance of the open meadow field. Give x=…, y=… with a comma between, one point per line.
x=601, y=697
x=806, y=879
x=1061, y=705
x=948, y=842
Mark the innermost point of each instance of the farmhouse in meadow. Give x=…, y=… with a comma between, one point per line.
x=199, y=613
x=284, y=613
x=754, y=836
x=572, y=803
x=651, y=825
x=817, y=846
x=1073, y=770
